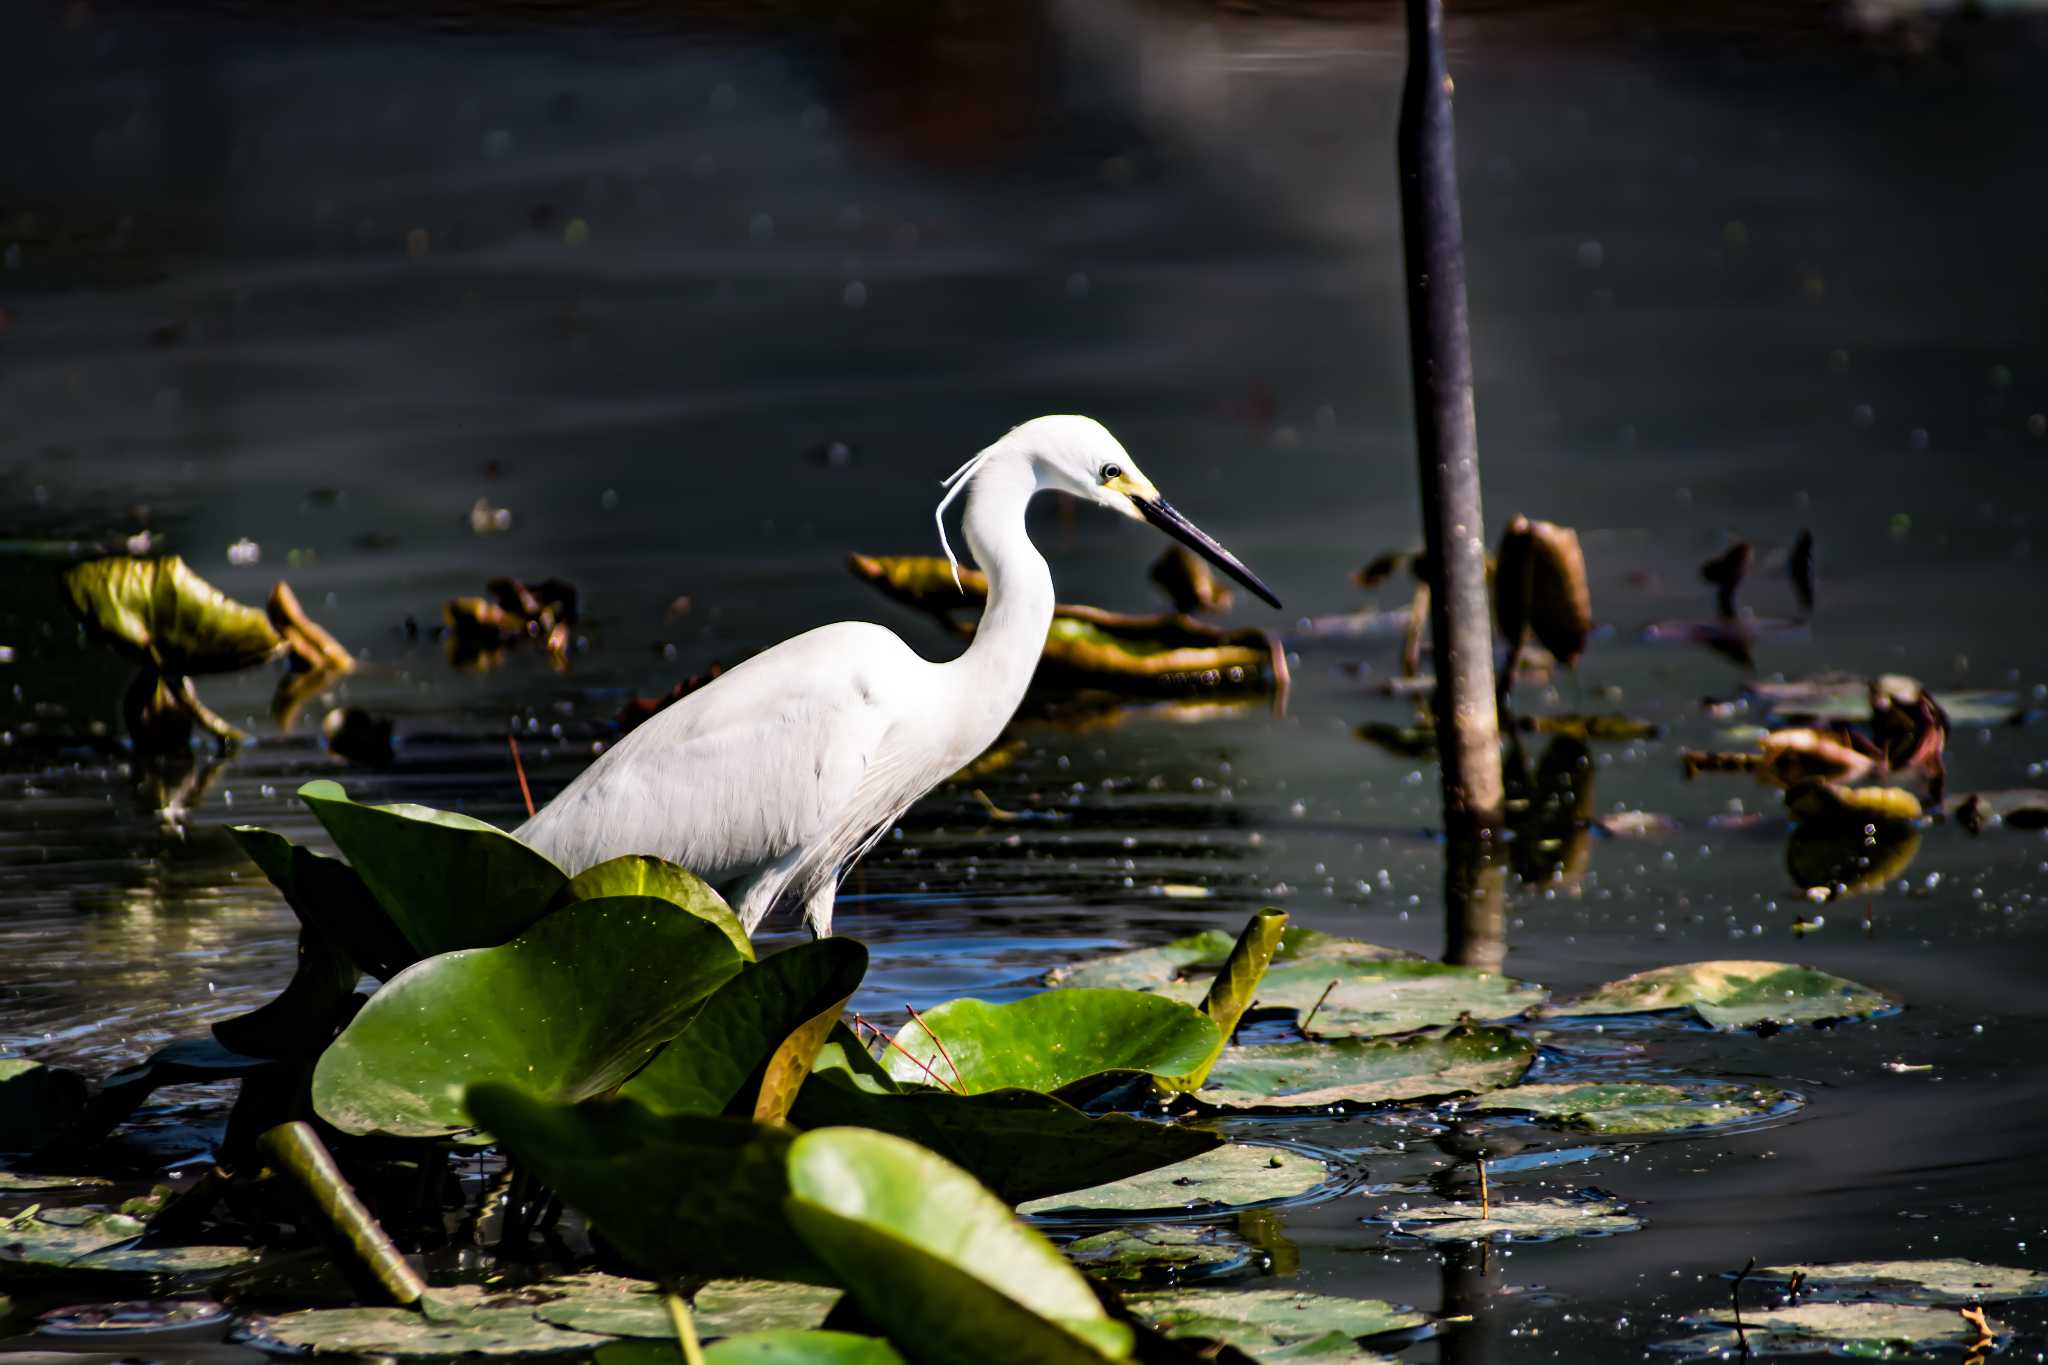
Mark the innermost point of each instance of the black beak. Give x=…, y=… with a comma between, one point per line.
x=1162, y=514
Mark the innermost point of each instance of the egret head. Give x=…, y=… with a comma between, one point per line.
x=1077, y=455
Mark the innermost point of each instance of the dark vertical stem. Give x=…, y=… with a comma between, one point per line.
x=1440, y=355
x=1475, y=905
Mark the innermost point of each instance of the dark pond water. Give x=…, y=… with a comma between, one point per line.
x=706, y=307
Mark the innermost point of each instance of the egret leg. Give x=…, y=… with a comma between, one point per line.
x=818, y=909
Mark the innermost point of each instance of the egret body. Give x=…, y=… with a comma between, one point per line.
x=773, y=780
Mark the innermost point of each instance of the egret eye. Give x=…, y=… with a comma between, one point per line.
x=1112, y=471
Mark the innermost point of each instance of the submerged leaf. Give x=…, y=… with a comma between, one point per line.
x=1275, y=1324
x=1367, y=1070
x=568, y=1009
x=1049, y=1041
x=447, y=881
x=1233, y=1176
x=936, y=1260
x=160, y=613
x=1639, y=1106
x=1530, y=1220
x=1196, y=958
x=1731, y=995
x=1160, y=1251
x=1938, y=1283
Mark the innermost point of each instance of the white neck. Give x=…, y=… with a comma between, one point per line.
x=992, y=675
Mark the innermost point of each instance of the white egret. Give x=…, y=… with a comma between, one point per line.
x=773, y=780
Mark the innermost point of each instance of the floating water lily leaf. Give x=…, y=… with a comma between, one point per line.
x=1640, y=1107
x=159, y=613
x=1574, y=725
x=43, y=1243
x=403, y=1334
x=568, y=1010
x=1521, y=1220
x=639, y=874
x=760, y=1348
x=723, y=1052
x=37, y=1103
x=330, y=900
x=1367, y=1070
x=1230, y=1177
x=1935, y=1283
x=1854, y=1329
x=1183, y=967
x=1731, y=995
x=677, y=1194
x=1374, y=998
x=1051, y=1040
x=448, y=881
x=1832, y=804
x=2021, y=808
x=1020, y=1143
x=614, y=1306
x=1159, y=1251
x=1275, y=1324
x=936, y=1260
x=24, y=1182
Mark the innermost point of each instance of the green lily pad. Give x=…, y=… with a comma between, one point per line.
x=330, y=900
x=448, y=881
x=1371, y=999
x=1235, y=1176
x=1276, y=1324
x=640, y=874
x=1521, y=1220
x=28, y=1182
x=1948, y=1283
x=678, y=1194
x=1021, y=1144
x=723, y=1050
x=160, y=613
x=1160, y=1251
x=1853, y=1329
x=568, y=1010
x=1052, y=1040
x=40, y=1243
x=1731, y=995
x=1641, y=1107
x=784, y=1347
x=1367, y=1070
x=37, y=1103
x=403, y=1334
x=612, y=1305
x=937, y=1261
x=1190, y=962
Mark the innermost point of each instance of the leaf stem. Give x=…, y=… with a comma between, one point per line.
x=525, y=794
x=915, y=1061
x=686, y=1328
x=937, y=1042
x=1317, y=1006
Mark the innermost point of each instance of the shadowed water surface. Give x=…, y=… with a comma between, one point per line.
x=705, y=308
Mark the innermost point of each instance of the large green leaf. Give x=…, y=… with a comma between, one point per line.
x=1051, y=1040
x=1367, y=1070
x=447, y=880
x=1274, y=1324
x=1232, y=1176
x=776, y=1347
x=1020, y=1143
x=641, y=874
x=721, y=1054
x=1190, y=962
x=330, y=900
x=679, y=1195
x=568, y=1010
x=158, y=612
x=1731, y=995
x=938, y=1261
x=1618, y=1107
